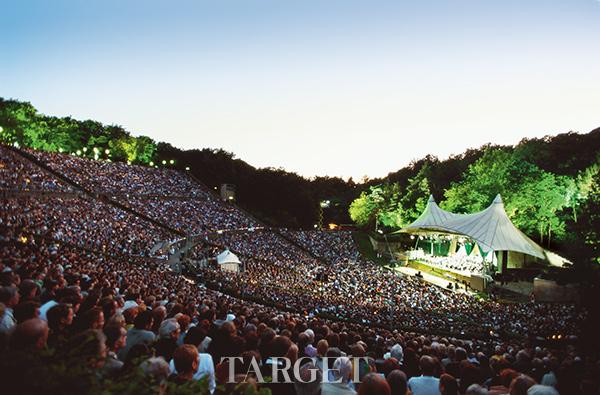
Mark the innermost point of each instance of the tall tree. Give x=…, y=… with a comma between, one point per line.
x=414, y=199
x=533, y=198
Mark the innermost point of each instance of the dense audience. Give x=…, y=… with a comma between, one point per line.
x=83, y=308
x=365, y=292
x=17, y=173
x=79, y=221
x=329, y=246
x=120, y=178
x=192, y=216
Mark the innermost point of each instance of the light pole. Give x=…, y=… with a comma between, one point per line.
x=387, y=244
x=322, y=204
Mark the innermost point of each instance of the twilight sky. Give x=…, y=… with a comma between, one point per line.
x=329, y=87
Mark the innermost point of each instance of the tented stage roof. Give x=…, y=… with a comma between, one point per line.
x=490, y=228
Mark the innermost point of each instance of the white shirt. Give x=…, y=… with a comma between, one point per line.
x=45, y=307
x=424, y=385
x=205, y=367
x=8, y=321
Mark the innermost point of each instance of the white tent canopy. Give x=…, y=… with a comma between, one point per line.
x=490, y=228
x=432, y=216
x=227, y=257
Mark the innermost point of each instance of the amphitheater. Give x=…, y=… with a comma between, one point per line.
x=112, y=267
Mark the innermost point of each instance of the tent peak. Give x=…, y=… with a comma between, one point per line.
x=431, y=199
x=498, y=199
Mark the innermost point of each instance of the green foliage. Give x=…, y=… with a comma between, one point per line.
x=76, y=369
x=133, y=149
x=379, y=206
x=587, y=229
x=387, y=205
x=414, y=199
x=534, y=199
x=361, y=210
x=563, y=164
x=23, y=125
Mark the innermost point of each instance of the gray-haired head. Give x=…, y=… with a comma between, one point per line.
x=397, y=352
x=342, y=368
x=167, y=327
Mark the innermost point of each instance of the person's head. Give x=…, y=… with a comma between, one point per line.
x=26, y=310
x=521, y=384
x=507, y=376
x=159, y=314
x=194, y=336
x=169, y=329
x=186, y=359
x=374, y=384
x=156, y=368
x=92, y=319
x=89, y=345
x=342, y=368
x=469, y=374
x=397, y=352
x=311, y=335
x=116, y=337
x=448, y=385
x=460, y=354
x=309, y=382
x=184, y=321
x=28, y=289
x=523, y=357
x=9, y=296
x=498, y=364
x=59, y=316
x=29, y=334
x=427, y=365
x=397, y=381
x=476, y=389
x=279, y=346
x=389, y=365
x=322, y=347
x=228, y=329
x=143, y=320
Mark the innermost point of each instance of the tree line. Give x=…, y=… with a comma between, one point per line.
x=549, y=185
x=550, y=188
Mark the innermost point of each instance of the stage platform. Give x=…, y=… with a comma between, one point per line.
x=432, y=279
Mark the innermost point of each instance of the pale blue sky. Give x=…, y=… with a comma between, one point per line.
x=346, y=88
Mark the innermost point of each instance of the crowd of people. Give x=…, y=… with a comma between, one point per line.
x=329, y=246
x=365, y=292
x=76, y=279
x=191, y=216
x=137, y=314
x=118, y=178
x=19, y=174
x=79, y=221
